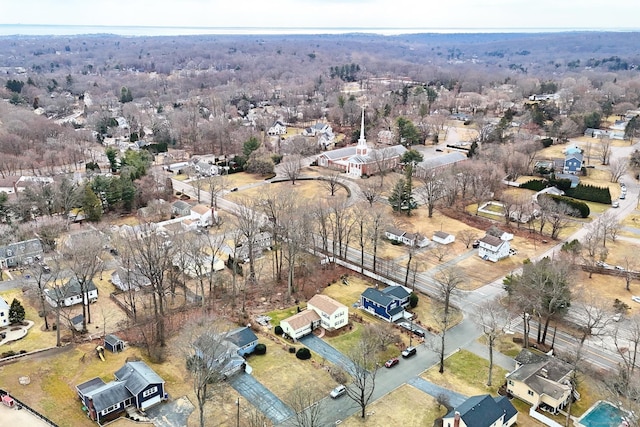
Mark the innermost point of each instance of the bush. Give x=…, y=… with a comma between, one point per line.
x=581, y=207
x=292, y=349
x=260, y=349
x=534, y=184
x=546, y=142
x=303, y=354
x=413, y=300
x=590, y=193
x=278, y=330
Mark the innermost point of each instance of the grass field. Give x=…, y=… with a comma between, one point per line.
x=404, y=406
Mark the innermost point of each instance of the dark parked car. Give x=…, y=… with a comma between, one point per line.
x=408, y=352
x=476, y=244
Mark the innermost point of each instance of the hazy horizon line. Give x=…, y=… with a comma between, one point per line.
x=159, y=30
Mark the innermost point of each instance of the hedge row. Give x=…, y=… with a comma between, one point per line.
x=581, y=207
x=590, y=193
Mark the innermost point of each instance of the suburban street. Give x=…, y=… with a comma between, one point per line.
x=464, y=335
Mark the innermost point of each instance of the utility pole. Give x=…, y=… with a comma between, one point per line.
x=238, y=413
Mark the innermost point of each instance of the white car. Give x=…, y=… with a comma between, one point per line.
x=338, y=391
x=636, y=299
x=615, y=204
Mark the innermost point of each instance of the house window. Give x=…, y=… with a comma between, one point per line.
x=1, y=313
x=110, y=409
x=150, y=391
x=530, y=393
x=510, y=382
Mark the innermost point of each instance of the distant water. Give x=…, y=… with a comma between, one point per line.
x=67, y=30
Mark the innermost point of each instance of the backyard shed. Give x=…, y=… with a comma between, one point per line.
x=113, y=343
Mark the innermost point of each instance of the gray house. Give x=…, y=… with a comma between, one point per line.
x=20, y=253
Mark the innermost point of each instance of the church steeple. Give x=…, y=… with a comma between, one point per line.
x=361, y=148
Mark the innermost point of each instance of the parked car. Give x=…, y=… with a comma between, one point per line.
x=408, y=352
x=603, y=264
x=234, y=189
x=615, y=204
x=619, y=267
x=476, y=244
x=623, y=195
x=635, y=299
x=391, y=362
x=338, y=391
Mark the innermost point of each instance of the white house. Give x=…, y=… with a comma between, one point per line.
x=493, y=248
x=197, y=265
x=71, y=294
x=4, y=313
x=443, y=238
x=203, y=216
x=333, y=315
x=300, y=324
x=410, y=239
x=278, y=128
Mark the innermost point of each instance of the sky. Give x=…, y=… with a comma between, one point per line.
x=425, y=14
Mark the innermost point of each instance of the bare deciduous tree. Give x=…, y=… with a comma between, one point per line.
x=604, y=150
x=207, y=355
x=309, y=407
x=331, y=182
x=291, y=167
x=467, y=237
x=494, y=320
x=448, y=281
x=431, y=190
x=617, y=168
x=362, y=370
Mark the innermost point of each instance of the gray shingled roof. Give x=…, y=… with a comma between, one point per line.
x=242, y=336
x=376, y=296
x=109, y=395
x=443, y=160
x=137, y=376
x=397, y=292
x=70, y=289
x=483, y=411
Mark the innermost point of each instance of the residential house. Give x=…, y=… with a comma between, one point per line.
x=197, y=265
x=135, y=384
x=113, y=343
x=388, y=304
x=493, y=248
x=244, y=339
x=333, y=315
x=180, y=208
x=261, y=241
x=71, y=294
x=443, y=238
x=20, y=253
x=573, y=163
x=205, y=165
x=482, y=411
x=278, y=128
x=322, y=311
x=410, y=239
x=4, y=312
x=317, y=129
x=300, y=324
x=541, y=380
x=127, y=279
x=203, y=216
x=502, y=235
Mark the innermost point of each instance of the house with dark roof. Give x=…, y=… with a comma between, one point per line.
x=71, y=294
x=493, y=248
x=278, y=128
x=410, y=239
x=482, y=411
x=244, y=339
x=20, y=253
x=127, y=279
x=388, y=304
x=541, y=380
x=135, y=384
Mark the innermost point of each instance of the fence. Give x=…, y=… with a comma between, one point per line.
x=29, y=409
x=544, y=420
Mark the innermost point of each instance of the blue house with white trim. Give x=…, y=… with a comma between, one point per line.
x=573, y=162
x=387, y=304
x=135, y=384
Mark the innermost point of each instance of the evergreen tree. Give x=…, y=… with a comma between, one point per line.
x=16, y=312
x=91, y=205
x=397, y=195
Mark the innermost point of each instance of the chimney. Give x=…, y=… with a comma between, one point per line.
x=456, y=419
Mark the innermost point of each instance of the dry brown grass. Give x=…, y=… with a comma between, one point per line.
x=404, y=406
x=242, y=178
x=306, y=191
